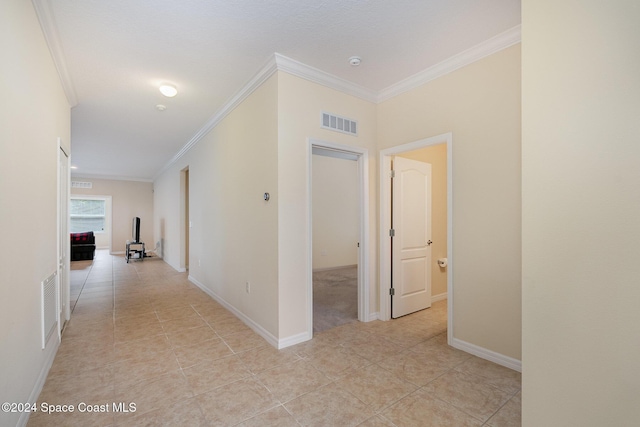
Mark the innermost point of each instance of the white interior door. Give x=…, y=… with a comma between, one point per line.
x=411, y=243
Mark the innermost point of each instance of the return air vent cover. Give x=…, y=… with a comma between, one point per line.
x=80, y=184
x=50, y=307
x=339, y=124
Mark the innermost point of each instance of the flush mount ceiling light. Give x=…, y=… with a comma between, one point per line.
x=354, y=61
x=168, y=90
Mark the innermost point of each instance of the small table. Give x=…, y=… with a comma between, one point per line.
x=139, y=251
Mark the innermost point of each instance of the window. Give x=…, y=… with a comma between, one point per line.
x=87, y=215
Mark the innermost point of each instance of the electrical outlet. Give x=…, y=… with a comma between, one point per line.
x=248, y=287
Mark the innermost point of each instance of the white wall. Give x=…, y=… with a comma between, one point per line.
x=581, y=213
x=128, y=200
x=33, y=114
x=336, y=212
x=480, y=105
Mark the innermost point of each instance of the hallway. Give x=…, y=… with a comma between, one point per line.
x=143, y=338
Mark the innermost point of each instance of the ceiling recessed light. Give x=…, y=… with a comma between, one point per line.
x=168, y=90
x=74, y=167
x=354, y=61
x=161, y=107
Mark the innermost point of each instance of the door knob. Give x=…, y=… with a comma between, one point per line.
x=429, y=242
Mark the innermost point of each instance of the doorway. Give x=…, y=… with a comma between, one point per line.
x=335, y=231
x=359, y=157
x=441, y=234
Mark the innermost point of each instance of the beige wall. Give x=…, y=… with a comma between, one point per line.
x=581, y=210
x=128, y=200
x=336, y=212
x=480, y=105
x=234, y=234
x=33, y=114
x=436, y=156
x=300, y=103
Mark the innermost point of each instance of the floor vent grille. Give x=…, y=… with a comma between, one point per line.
x=339, y=124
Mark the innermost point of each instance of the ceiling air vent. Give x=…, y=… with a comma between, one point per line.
x=339, y=124
x=80, y=184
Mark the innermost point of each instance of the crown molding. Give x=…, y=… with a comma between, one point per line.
x=280, y=62
x=277, y=62
x=298, y=69
x=267, y=70
x=495, y=44
x=51, y=35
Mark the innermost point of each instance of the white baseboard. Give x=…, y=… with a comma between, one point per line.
x=117, y=253
x=483, y=353
x=52, y=350
x=178, y=269
x=293, y=340
x=439, y=297
x=247, y=321
x=373, y=316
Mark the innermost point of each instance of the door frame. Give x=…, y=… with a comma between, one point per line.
x=384, y=310
x=362, y=160
x=185, y=222
x=64, y=271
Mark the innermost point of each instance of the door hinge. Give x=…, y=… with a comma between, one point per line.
x=393, y=173
x=392, y=291
x=392, y=232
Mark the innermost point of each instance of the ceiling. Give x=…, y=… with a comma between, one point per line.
x=112, y=56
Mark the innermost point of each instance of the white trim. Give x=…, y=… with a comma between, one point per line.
x=374, y=316
x=51, y=35
x=439, y=297
x=270, y=338
x=488, y=47
x=64, y=272
x=363, y=254
x=282, y=63
x=298, y=69
x=293, y=340
x=492, y=356
x=385, y=222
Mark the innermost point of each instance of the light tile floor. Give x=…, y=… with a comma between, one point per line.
x=142, y=335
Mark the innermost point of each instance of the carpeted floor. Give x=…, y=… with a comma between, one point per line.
x=335, y=298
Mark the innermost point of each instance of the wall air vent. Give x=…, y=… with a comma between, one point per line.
x=339, y=124
x=50, y=309
x=80, y=184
